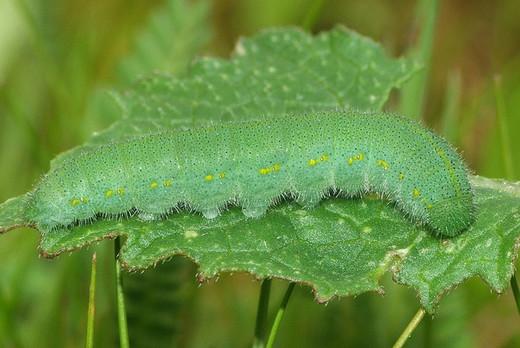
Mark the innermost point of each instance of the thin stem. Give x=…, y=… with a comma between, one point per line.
x=313, y=14
x=503, y=126
x=91, y=305
x=120, y=299
x=414, y=92
x=450, y=122
x=409, y=329
x=507, y=158
x=261, y=314
x=279, y=315
x=516, y=292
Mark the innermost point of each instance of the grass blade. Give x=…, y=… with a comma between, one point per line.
x=413, y=94
x=91, y=305
x=279, y=315
x=313, y=14
x=516, y=292
x=120, y=299
x=450, y=113
x=505, y=143
x=409, y=329
x=507, y=158
x=261, y=314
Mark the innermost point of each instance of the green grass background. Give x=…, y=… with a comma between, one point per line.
x=56, y=55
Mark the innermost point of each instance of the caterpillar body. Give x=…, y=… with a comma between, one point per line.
x=251, y=163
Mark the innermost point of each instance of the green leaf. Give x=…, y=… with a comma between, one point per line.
x=344, y=246
x=488, y=249
x=341, y=248
x=277, y=71
x=12, y=213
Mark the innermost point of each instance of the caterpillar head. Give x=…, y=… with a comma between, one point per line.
x=51, y=204
x=451, y=216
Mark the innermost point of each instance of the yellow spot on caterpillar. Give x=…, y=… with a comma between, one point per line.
x=312, y=162
x=121, y=191
x=358, y=157
x=268, y=170
x=383, y=164
x=109, y=193
x=429, y=206
x=401, y=176
x=84, y=199
x=416, y=193
x=222, y=175
x=153, y=185
x=167, y=183
x=74, y=202
x=208, y=177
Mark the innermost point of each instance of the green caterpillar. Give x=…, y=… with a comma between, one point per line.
x=252, y=163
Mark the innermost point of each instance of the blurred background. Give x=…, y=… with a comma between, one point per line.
x=58, y=58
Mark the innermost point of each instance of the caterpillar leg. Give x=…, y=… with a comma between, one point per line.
x=144, y=216
x=309, y=201
x=211, y=213
x=255, y=211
